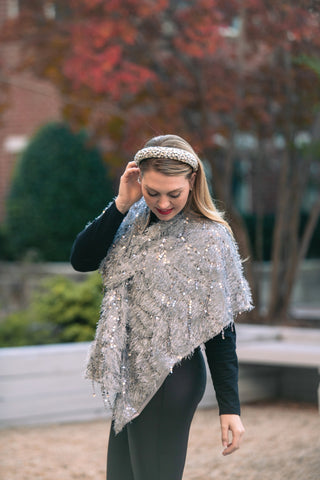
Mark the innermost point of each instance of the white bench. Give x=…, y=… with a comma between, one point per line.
x=279, y=346
x=44, y=384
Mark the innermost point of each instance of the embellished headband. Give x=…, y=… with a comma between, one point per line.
x=167, y=152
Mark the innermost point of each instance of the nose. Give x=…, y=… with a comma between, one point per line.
x=164, y=203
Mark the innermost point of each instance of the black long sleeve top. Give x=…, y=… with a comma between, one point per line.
x=91, y=246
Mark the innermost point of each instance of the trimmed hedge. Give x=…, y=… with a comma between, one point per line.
x=60, y=183
x=60, y=311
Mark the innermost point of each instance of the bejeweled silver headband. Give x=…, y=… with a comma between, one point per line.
x=167, y=152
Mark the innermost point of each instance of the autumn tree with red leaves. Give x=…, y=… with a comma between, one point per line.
x=207, y=70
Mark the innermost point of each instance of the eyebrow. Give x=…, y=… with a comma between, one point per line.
x=172, y=191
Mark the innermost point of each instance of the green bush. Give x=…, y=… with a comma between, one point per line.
x=58, y=186
x=60, y=311
x=5, y=253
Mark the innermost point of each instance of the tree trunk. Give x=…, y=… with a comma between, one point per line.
x=239, y=228
x=279, y=235
x=308, y=231
x=284, y=238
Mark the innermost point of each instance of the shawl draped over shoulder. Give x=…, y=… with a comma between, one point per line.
x=169, y=287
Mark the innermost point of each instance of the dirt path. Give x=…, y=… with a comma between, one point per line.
x=282, y=442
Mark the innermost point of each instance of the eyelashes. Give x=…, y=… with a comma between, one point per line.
x=156, y=194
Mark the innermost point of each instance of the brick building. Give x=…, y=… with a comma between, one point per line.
x=31, y=103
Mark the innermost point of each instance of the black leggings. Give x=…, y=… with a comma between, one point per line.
x=154, y=445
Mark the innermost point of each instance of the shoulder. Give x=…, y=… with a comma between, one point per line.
x=137, y=213
x=212, y=236
x=210, y=228
x=138, y=208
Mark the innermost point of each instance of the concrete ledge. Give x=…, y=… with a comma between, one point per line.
x=45, y=384
x=283, y=346
x=293, y=354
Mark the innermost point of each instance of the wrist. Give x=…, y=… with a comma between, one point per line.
x=122, y=206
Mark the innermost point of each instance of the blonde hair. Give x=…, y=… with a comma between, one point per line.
x=200, y=201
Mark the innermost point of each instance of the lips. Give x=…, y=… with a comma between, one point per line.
x=164, y=212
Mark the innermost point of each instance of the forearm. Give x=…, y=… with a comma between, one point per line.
x=223, y=364
x=91, y=245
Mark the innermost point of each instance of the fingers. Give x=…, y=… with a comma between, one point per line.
x=131, y=170
x=232, y=424
x=129, y=188
x=225, y=435
x=233, y=446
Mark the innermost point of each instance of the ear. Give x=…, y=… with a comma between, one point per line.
x=192, y=180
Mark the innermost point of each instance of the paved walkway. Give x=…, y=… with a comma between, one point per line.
x=281, y=442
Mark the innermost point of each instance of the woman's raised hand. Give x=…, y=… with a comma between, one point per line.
x=129, y=188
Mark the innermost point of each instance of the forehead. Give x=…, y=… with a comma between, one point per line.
x=164, y=183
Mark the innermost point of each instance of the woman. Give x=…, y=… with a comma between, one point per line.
x=173, y=282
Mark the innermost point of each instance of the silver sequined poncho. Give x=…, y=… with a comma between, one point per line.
x=169, y=287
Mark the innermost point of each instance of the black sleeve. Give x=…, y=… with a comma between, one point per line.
x=223, y=364
x=91, y=245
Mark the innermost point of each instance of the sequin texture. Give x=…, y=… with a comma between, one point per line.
x=169, y=287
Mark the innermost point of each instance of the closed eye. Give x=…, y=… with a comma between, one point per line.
x=171, y=195
x=177, y=195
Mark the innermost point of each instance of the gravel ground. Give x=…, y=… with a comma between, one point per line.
x=282, y=442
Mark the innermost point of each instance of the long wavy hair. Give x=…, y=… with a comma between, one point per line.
x=199, y=201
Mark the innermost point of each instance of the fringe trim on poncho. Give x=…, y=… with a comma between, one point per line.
x=169, y=287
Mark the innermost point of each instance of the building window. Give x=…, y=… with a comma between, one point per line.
x=12, y=8
x=15, y=143
x=49, y=10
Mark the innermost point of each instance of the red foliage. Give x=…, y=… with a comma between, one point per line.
x=196, y=67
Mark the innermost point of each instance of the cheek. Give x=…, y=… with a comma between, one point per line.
x=185, y=196
x=181, y=201
x=149, y=200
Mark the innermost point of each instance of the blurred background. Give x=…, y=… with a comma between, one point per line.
x=83, y=85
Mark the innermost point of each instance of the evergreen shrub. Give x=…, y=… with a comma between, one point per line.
x=60, y=183
x=60, y=311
